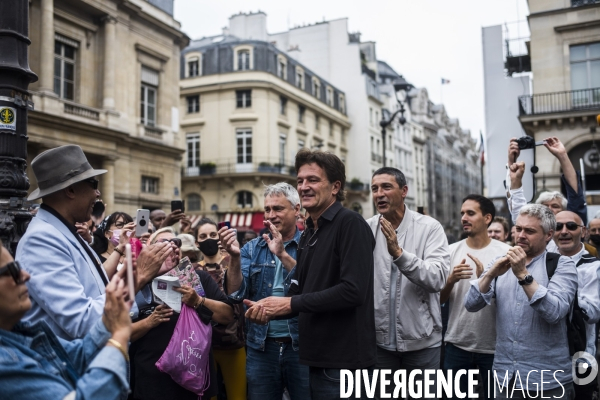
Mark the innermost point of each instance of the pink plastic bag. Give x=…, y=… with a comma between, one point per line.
x=186, y=357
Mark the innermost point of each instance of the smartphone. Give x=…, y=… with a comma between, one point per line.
x=224, y=223
x=129, y=266
x=178, y=205
x=184, y=263
x=142, y=220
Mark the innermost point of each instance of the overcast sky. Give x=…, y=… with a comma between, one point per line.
x=424, y=40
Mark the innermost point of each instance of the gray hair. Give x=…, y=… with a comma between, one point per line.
x=543, y=213
x=549, y=196
x=283, y=189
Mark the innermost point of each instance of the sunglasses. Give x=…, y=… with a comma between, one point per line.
x=572, y=226
x=93, y=181
x=176, y=241
x=14, y=269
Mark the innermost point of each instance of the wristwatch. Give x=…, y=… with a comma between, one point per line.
x=528, y=280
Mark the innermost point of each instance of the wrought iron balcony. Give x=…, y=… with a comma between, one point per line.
x=560, y=102
x=226, y=167
x=577, y=3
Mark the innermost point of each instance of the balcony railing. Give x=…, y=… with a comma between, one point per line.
x=232, y=167
x=548, y=103
x=81, y=111
x=577, y=3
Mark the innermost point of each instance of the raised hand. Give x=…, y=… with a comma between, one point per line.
x=84, y=231
x=513, y=151
x=460, y=271
x=478, y=265
x=229, y=242
x=150, y=261
x=390, y=238
x=275, y=242
x=555, y=146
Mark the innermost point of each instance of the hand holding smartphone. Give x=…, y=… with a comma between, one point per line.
x=178, y=205
x=223, y=224
x=142, y=220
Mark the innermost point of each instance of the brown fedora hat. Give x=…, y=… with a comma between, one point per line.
x=58, y=168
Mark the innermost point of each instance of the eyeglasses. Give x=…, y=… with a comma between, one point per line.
x=572, y=226
x=14, y=269
x=176, y=241
x=93, y=181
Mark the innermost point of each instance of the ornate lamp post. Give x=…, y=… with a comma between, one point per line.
x=386, y=119
x=15, y=77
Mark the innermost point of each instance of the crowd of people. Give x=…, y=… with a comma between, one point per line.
x=291, y=308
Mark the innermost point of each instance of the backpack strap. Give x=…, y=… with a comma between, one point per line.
x=551, y=263
x=586, y=258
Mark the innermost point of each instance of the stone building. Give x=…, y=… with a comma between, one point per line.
x=246, y=109
x=108, y=82
x=453, y=169
x=565, y=62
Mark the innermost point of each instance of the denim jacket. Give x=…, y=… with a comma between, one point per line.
x=258, y=272
x=36, y=364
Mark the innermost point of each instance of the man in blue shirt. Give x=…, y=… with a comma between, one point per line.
x=36, y=364
x=264, y=267
x=67, y=279
x=532, y=351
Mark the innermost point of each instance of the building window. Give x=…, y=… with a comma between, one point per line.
x=282, y=105
x=148, y=98
x=193, y=67
x=193, y=104
x=243, y=60
x=329, y=97
x=64, y=70
x=301, y=144
x=317, y=121
x=193, y=202
x=282, y=140
x=149, y=185
x=330, y=129
x=299, y=78
x=281, y=67
x=316, y=89
x=148, y=105
x=371, y=116
x=193, y=150
x=343, y=136
x=244, y=199
x=301, y=112
x=243, y=98
x=585, y=71
x=342, y=104
x=244, y=146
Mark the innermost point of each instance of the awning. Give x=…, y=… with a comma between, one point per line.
x=244, y=221
x=195, y=219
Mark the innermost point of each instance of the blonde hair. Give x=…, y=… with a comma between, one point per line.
x=153, y=237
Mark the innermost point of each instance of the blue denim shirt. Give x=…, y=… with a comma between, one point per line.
x=258, y=272
x=36, y=364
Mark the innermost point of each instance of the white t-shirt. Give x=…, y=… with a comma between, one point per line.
x=475, y=332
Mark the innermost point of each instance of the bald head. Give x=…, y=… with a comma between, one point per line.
x=569, y=233
x=157, y=217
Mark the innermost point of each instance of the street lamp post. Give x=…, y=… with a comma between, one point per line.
x=15, y=77
x=399, y=84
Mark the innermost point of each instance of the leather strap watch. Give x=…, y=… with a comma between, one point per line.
x=528, y=280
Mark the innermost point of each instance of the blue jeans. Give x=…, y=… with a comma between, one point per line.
x=271, y=370
x=457, y=358
x=325, y=384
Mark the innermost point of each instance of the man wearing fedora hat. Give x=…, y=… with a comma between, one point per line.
x=67, y=284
